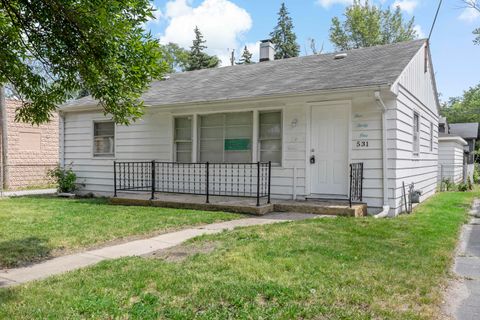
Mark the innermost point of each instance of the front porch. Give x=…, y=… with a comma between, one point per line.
x=229, y=187
x=240, y=205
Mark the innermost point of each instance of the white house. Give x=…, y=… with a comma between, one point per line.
x=310, y=116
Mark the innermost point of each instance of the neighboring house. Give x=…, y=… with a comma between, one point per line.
x=29, y=152
x=451, y=158
x=310, y=116
x=469, y=132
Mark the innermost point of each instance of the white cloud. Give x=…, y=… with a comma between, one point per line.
x=406, y=5
x=329, y=3
x=469, y=15
x=221, y=22
x=419, y=30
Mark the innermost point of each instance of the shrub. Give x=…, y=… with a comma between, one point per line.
x=462, y=187
x=448, y=184
x=469, y=184
x=476, y=173
x=65, y=177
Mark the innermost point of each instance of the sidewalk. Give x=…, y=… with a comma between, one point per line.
x=33, y=192
x=463, y=298
x=135, y=248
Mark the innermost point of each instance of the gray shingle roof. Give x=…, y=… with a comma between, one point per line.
x=379, y=65
x=464, y=130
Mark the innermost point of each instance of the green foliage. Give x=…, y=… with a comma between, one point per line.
x=469, y=183
x=447, y=185
x=99, y=46
x=465, y=108
x=476, y=173
x=283, y=37
x=246, y=57
x=65, y=178
x=174, y=56
x=462, y=187
x=197, y=59
x=368, y=25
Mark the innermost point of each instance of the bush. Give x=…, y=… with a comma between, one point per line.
x=65, y=177
x=462, y=187
x=448, y=185
x=476, y=173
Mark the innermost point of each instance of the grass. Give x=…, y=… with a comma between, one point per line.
x=35, y=228
x=339, y=268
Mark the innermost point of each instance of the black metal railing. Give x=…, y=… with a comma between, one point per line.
x=249, y=180
x=356, y=182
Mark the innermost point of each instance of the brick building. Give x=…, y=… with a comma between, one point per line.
x=29, y=151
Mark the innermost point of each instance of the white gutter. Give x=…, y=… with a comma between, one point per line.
x=4, y=143
x=386, y=207
x=61, y=138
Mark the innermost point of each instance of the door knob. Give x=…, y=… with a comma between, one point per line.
x=312, y=159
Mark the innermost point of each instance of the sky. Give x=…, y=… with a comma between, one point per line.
x=234, y=24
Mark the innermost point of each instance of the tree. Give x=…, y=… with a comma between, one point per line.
x=174, y=56
x=474, y=5
x=198, y=59
x=465, y=108
x=283, y=37
x=367, y=25
x=246, y=57
x=98, y=46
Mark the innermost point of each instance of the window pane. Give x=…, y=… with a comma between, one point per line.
x=104, y=139
x=271, y=137
x=238, y=156
x=183, y=138
x=226, y=137
x=104, y=128
x=183, y=128
x=104, y=146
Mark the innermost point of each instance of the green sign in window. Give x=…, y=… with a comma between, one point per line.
x=237, y=144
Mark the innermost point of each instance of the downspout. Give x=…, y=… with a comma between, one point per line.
x=4, y=150
x=62, y=139
x=386, y=207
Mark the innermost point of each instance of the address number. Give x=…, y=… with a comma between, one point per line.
x=362, y=144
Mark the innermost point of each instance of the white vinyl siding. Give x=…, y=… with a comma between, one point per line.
x=226, y=137
x=183, y=139
x=270, y=137
x=104, y=139
x=416, y=133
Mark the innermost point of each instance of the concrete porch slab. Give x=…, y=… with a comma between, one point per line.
x=240, y=205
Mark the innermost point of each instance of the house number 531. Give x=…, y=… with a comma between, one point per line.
x=362, y=144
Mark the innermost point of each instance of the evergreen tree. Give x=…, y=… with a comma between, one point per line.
x=283, y=37
x=246, y=57
x=367, y=25
x=197, y=58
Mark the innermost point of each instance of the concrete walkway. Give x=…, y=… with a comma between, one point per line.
x=135, y=248
x=33, y=192
x=463, y=297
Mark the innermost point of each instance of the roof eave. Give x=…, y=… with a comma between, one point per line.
x=95, y=107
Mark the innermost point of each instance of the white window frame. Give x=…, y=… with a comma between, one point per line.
x=199, y=136
x=259, y=141
x=104, y=155
x=192, y=136
x=416, y=144
x=431, y=136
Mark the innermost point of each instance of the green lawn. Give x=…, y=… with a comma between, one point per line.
x=35, y=228
x=341, y=268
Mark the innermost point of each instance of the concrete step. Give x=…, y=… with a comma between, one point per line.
x=322, y=207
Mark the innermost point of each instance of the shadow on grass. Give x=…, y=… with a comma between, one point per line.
x=6, y=294
x=21, y=252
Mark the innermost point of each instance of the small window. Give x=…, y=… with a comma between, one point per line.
x=270, y=138
x=183, y=139
x=431, y=136
x=416, y=133
x=104, y=139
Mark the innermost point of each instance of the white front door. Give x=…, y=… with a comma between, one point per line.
x=329, y=149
